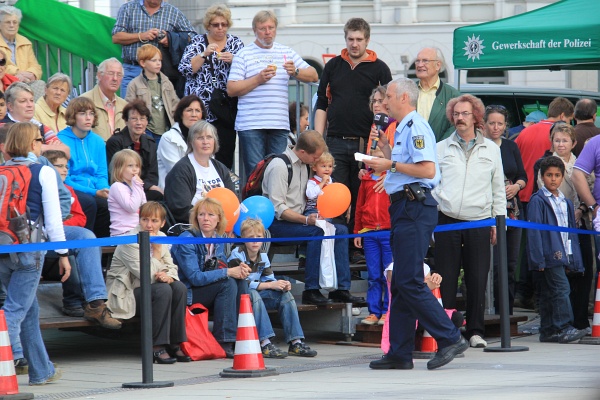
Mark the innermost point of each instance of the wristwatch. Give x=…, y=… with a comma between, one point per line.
x=393, y=167
x=296, y=72
x=593, y=207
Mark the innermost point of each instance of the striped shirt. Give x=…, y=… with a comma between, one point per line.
x=134, y=18
x=266, y=106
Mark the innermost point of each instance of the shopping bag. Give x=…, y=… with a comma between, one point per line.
x=201, y=344
x=327, y=274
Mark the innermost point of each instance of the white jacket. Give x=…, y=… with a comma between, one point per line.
x=472, y=189
x=171, y=148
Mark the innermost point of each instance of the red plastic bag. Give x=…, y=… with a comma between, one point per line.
x=201, y=344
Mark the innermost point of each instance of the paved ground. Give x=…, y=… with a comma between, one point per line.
x=95, y=368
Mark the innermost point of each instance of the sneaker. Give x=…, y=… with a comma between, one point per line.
x=553, y=338
x=357, y=258
x=588, y=331
x=101, y=315
x=21, y=366
x=370, y=320
x=356, y=312
x=477, y=342
x=271, y=351
x=301, y=349
x=57, y=375
x=76, y=312
x=570, y=335
x=382, y=320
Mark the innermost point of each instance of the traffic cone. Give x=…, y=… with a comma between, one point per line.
x=595, y=338
x=428, y=344
x=9, y=388
x=248, y=361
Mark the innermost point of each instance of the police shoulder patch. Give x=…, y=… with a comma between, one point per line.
x=419, y=142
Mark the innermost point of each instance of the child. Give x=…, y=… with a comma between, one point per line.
x=552, y=253
x=372, y=215
x=323, y=168
x=268, y=293
x=155, y=89
x=126, y=194
x=60, y=162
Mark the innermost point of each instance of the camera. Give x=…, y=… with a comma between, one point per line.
x=211, y=264
x=161, y=35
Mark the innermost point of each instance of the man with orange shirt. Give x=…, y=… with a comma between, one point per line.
x=343, y=104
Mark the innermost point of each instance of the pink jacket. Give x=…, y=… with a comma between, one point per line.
x=124, y=204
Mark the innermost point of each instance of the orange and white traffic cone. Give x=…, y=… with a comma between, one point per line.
x=428, y=344
x=595, y=338
x=248, y=361
x=9, y=388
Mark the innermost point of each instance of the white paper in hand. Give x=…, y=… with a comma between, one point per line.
x=361, y=157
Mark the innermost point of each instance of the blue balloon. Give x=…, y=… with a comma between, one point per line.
x=258, y=207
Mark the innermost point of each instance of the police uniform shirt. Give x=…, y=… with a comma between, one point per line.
x=414, y=141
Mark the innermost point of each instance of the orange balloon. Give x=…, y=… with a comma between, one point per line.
x=230, y=204
x=334, y=201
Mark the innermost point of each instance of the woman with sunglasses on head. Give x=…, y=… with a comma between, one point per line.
x=206, y=63
x=515, y=179
x=5, y=78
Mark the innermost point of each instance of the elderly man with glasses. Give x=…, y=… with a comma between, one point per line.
x=433, y=93
x=471, y=189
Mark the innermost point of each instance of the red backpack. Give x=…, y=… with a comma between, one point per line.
x=253, y=186
x=14, y=215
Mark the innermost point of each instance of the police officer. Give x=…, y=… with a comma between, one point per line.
x=412, y=173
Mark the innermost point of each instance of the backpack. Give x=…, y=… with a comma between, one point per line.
x=14, y=214
x=253, y=186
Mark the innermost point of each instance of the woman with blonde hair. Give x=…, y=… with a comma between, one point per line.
x=203, y=270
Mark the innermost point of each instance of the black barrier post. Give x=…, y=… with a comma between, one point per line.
x=503, y=291
x=146, y=311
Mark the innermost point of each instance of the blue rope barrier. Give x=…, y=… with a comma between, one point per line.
x=129, y=239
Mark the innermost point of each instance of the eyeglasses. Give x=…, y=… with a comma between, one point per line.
x=494, y=107
x=377, y=101
x=41, y=140
x=140, y=119
x=423, y=61
x=2, y=62
x=113, y=74
x=86, y=114
x=557, y=124
x=463, y=114
x=219, y=24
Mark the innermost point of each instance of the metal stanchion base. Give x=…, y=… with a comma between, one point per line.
x=589, y=340
x=250, y=373
x=149, y=385
x=18, y=396
x=511, y=349
x=426, y=355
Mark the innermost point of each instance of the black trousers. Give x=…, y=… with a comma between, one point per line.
x=168, y=312
x=227, y=139
x=581, y=285
x=469, y=248
x=513, y=245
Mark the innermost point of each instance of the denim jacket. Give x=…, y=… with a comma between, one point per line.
x=190, y=259
x=261, y=271
x=545, y=248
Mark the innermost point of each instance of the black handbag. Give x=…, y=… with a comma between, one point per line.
x=221, y=105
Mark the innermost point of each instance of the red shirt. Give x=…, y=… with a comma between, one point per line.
x=533, y=142
x=371, y=207
x=78, y=217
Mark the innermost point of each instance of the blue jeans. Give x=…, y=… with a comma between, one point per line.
x=378, y=254
x=556, y=313
x=131, y=71
x=286, y=229
x=284, y=303
x=21, y=309
x=255, y=144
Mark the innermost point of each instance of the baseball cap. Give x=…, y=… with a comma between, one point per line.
x=535, y=116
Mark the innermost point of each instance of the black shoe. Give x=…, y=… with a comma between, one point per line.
x=550, y=338
x=571, y=334
x=181, y=357
x=315, y=297
x=157, y=359
x=302, y=264
x=228, y=348
x=344, y=296
x=387, y=362
x=76, y=312
x=357, y=258
x=447, y=354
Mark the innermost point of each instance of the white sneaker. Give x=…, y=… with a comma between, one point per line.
x=356, y=311
x=477, y=342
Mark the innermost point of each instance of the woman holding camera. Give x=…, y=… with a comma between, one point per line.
x=203, y=270
x=167, y=292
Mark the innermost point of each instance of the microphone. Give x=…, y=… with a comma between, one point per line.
x=381, y=121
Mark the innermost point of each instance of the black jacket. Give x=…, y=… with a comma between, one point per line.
x=180, y=187
x=122, y=140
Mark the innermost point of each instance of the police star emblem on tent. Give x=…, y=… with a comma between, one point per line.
x=473, y=48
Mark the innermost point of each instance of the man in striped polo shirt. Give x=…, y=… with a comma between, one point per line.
x=259, y=77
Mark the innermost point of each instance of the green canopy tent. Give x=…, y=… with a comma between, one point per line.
x=563, y=35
